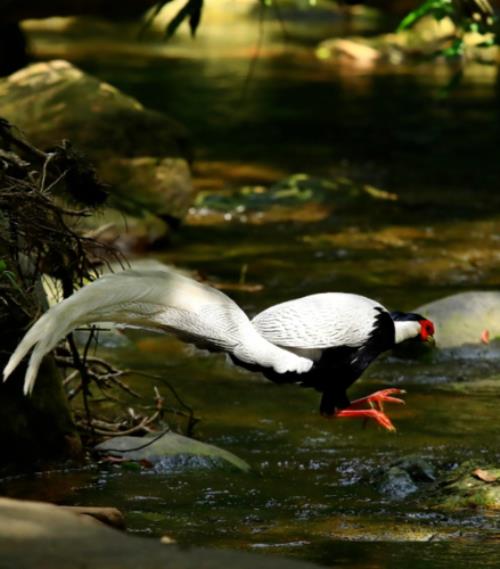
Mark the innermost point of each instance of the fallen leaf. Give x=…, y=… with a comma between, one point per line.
x=484, y=475
x=485, y=336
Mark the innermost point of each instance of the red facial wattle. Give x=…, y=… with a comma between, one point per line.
x=426, y=330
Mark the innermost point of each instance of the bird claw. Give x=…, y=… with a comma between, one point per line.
x=378, y=416
x=383, y=420
x=378, y=398
x=376, y=411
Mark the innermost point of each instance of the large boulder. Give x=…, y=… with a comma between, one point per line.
x=142, y=154
x=465, y=319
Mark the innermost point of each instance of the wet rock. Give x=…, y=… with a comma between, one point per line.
x=352, y=48
x=43, y=536
x=299, y=197
x=111, y=517
x=171, y=452
x=467, y=328
x=469, y=486
x=396, y=483
x=142, y=154
x=462, y=319
x=424, y=39
x=418, y=468
x=405, y=476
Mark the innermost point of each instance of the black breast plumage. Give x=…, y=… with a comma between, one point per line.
x=338, y=366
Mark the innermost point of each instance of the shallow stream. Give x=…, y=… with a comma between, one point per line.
x=309, y=494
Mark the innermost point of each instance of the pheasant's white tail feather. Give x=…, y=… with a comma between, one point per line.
x=162, y=300
x=51, y=328
x=43, y=336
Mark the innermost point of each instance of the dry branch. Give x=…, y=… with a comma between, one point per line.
x=42, y=197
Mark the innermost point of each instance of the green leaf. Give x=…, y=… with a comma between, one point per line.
x=438, y=8
x=415, y=15
x=3, y=265
x=456, y=49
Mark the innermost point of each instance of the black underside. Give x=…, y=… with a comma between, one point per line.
x=338, y=367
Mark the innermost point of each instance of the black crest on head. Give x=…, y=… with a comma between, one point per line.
x=406, y=317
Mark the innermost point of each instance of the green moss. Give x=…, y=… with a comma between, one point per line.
x=463, y=488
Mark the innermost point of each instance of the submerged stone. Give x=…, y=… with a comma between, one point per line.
x=396, y=483
x=404, y=476
x=299, y=197
x=171, y=452
x=419, y=468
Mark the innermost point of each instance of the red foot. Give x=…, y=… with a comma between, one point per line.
x=381, y=418
x=379, y=398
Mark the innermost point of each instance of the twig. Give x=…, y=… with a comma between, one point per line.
x=144, y=423
x=192, y=420
x=85, y=383
x=50, y=155
x=19, y=141
x=69, y=378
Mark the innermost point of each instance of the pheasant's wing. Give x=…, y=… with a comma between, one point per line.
x=319, y=321
x=164, y=300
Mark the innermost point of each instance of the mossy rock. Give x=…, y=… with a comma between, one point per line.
x=142, y=154
x=171, y=452
x=299, y=197
x=469, y=486
x=467, y=326
x=404, y=476
x=462, y=319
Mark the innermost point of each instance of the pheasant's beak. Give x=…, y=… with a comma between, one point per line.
x=427, y=331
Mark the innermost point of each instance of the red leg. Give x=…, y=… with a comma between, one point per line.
x=379, y=398
x=381, y=418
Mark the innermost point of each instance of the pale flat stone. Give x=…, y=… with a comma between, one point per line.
x=171, y=452
x=34, y=535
